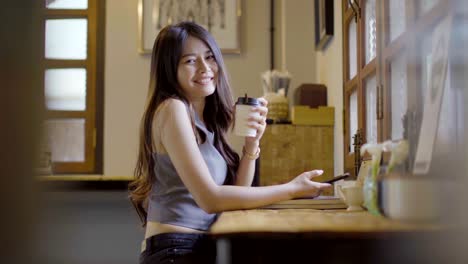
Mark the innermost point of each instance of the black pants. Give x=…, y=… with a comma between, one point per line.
x=179, y=248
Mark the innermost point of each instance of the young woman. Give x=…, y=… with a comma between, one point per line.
x=186, y=172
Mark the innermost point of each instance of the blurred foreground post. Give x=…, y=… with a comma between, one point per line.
x=19, y=107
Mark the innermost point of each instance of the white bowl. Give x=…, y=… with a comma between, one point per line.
x=352, y=196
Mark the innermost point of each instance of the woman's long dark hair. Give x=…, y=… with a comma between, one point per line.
x=218, y=112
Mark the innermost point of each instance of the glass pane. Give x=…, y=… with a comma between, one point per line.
x=426, y=5
x=447, y=126
x=65, y=89
x=397, y=18
x=67, y=4
x=371, y=109
x=398, y=89
x=67, y=139
x=353, y=118
x=371, y=31
x=352, y=48
x=426, y=57
x=66, y=39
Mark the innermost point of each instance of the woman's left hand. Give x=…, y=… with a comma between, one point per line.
x=257, y=120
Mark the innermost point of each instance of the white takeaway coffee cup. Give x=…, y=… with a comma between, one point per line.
x=243, y=111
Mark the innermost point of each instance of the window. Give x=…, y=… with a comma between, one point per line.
x=386, y=62
x=360, y=76
x=72, y=83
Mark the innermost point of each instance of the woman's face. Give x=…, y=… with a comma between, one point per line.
x=197, y=71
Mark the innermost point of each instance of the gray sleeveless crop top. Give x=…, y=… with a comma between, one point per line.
x=170, y=202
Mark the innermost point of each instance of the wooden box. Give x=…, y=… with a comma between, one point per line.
x=311, y=94
x=289, y=150
x=304, y=115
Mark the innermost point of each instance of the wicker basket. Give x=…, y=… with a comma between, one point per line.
x=278, y=106
x=278, y=110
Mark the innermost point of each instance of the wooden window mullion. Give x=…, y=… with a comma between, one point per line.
x=90, y=136
x=54, y=64
x=63, y=13
x=349, y=84
x=369, y=69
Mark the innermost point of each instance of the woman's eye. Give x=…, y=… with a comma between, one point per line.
x=210, y=57
x=190, y=61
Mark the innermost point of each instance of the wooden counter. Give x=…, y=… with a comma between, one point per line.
x=331, y=236
x=309, y=220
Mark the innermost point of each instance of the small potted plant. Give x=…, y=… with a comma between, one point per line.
x=398, y=155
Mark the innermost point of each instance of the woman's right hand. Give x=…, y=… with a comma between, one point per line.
x=304, y=186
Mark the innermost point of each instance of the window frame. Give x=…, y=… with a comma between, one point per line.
x=416, y=25
x=94, y=64
x=364, y=71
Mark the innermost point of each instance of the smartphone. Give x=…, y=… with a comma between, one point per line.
x=337, y=178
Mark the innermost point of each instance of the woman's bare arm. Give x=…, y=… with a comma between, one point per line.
x=180, y=143
x=245, y=172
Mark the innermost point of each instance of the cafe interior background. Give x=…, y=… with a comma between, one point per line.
x=85, y=215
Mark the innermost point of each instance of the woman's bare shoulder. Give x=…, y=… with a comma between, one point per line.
x=171, y=106
x=171, y=111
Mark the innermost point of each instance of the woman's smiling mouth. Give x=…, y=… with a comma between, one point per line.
x=204, y=81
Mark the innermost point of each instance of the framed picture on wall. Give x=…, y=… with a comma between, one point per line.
x=220, y=17
x=323, y=23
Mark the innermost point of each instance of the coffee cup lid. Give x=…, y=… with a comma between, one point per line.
x=247, y=100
